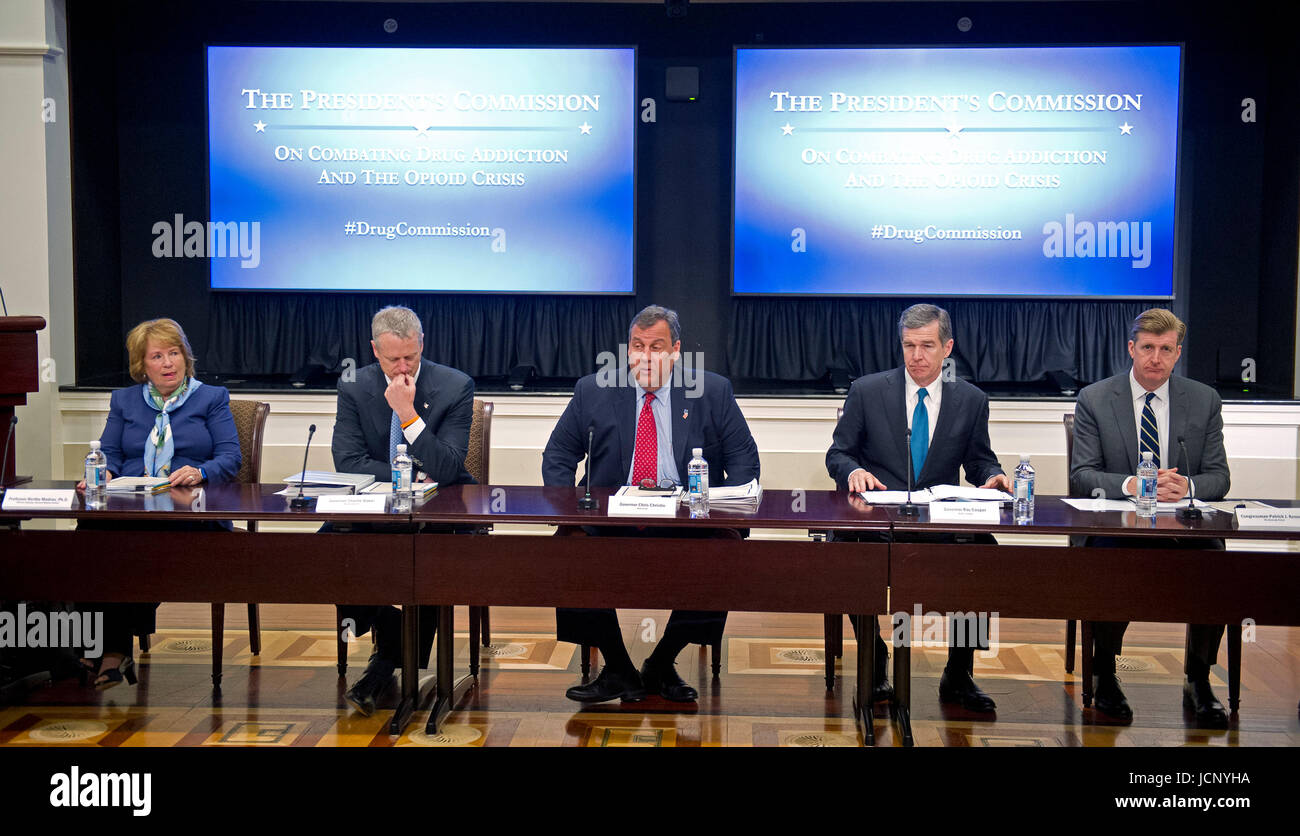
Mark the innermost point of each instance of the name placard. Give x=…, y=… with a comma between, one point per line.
x=352, y=504
x=643, y=506
x=34, y=500
x=966, y=512
x=1285, y=519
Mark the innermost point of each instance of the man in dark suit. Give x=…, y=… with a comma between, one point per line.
x=1180, y=421
x=401, y=399
x=645, y=427
x=949, y=424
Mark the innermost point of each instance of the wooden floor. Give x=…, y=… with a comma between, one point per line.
x=771, y=691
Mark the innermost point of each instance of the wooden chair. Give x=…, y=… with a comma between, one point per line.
x=1071, y=626
x=250, y=425
x=477, y=461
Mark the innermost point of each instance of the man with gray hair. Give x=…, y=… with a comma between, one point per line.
x=913, y=417
x=642, y=433
x=402, y=398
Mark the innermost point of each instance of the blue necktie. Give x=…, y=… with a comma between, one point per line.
x=1150, y=436
x=395, y=437
x=920, y=434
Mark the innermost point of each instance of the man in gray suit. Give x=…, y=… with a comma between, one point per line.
x=1180, y=422
x=401, y=399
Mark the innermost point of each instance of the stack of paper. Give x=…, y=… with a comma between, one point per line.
x=325, y=483
x=938, y=493
x=743, y=498
x=419, y=490
x=139, y=484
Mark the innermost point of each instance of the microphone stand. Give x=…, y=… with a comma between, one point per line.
x=1191, y=512
x=588, y=502
x=300, y=502
x=4, y=465
x=909, y=508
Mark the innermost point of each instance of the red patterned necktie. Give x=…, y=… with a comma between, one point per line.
x=645, y=457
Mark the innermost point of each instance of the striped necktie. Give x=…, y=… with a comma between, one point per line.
x=1149, y=438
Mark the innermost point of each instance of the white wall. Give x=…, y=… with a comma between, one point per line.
x=25, y=212
x=1262, y=440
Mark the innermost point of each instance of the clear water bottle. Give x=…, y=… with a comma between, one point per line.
x=1146, y=486
x=1024, y=496
x=697, y=484
x=402, y=481
x=96, y=476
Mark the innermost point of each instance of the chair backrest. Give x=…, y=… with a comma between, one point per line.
x=1068, y=420
x=250, y=424
x=477, y=458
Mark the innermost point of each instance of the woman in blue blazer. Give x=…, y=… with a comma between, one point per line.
x=169, y=425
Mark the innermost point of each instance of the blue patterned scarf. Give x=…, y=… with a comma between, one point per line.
x=158, y=449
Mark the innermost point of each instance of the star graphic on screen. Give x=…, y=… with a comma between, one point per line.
x=953, y=129
x=787, y=129
x=1126, y=129
x=260, y=126
x=585, y=128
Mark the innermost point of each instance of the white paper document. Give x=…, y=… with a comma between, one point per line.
x=937, y=493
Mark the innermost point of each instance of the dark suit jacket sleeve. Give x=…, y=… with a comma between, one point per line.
x=349, y=443
x=566, y=446
x=847, y=438
x=110, y=441
x=738, y=448
x=980, y=462
x=1087, y=465
x=1213, y=481
x=443, y=452
x=224, y=464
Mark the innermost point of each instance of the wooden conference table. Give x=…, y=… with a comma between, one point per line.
x=651, y=572
x=448, y=569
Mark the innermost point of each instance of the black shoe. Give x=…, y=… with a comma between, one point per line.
x=1109, y=699
x=113, y=677
x=609, y=686
x=666, y=681
x=1198, y=697
x=361, y=696
x=958, y=687
x=882, y=691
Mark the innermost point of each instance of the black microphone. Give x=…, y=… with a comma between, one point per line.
x=910, y=508
x=300, y=502
x=4, y=467
x=587, y=503
x=1191, y=512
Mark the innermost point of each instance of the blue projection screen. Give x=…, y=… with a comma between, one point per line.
x=499, y=170
x=1019, y=171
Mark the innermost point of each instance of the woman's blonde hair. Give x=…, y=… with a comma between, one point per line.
x=165, y=332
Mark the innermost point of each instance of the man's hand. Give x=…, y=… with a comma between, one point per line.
x=400, y=395
x=998, y=480
x=1170, y=487
x=860, y=480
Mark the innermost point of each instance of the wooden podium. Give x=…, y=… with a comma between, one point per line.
x=20, y=373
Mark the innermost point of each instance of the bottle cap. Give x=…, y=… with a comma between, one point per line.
x=697, y=451
x=1146, y=455
x=94, y=445
x=1024, y=457
x=401, y=448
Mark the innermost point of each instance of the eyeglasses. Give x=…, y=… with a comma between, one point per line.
x=648, y=484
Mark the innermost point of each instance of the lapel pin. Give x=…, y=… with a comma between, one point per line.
x=686, y=413
x=426, y=404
